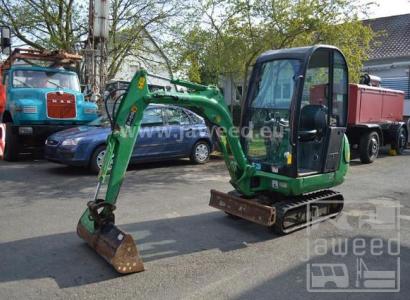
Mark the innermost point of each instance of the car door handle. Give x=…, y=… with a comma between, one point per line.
x=188, y=129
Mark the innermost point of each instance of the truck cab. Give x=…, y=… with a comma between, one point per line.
x=40, y=100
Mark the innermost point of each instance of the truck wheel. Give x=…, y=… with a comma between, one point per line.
x=11, y=147
x=369, y=147
x=97, y=159
x=401, y=141
x=200, y=153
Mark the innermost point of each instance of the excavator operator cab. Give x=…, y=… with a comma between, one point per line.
x=296, y=111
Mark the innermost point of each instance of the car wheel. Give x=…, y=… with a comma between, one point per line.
x=97, y=159
x=200, y=152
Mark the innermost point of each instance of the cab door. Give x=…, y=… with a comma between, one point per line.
x=323, y=110
x=338, y=111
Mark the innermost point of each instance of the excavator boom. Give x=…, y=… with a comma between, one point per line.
x=96, y=225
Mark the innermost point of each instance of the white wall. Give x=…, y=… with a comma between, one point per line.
x=153, y=62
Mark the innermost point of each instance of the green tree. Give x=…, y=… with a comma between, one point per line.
x=236, y=32
x=63, y=24
x=45, y=24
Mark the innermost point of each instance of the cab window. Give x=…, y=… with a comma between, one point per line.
x=45, y=79
x=340, y=86
x=269, y=114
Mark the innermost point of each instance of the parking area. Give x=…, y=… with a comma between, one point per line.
x=190, y=250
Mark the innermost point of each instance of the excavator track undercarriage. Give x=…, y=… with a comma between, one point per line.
x=283, y=214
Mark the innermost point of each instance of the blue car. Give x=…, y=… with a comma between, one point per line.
x=167, y=132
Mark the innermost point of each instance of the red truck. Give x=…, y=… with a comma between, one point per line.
x=375, y=119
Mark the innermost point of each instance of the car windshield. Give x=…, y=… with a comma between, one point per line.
x=45, y=79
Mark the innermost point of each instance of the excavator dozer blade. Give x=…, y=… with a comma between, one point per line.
x=248, y=209
x=115, y=246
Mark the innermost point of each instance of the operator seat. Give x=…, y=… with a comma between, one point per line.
x=312, y=129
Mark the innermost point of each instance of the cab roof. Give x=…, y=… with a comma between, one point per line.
x=301, y=53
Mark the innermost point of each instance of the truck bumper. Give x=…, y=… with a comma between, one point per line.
x=36, y=135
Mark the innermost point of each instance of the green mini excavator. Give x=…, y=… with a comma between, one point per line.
x=291, y=150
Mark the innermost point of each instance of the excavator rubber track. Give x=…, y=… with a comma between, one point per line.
x=285, y=215
x=305, y=210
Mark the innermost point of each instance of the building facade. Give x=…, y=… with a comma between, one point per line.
x=151, y=60
x=389, y=56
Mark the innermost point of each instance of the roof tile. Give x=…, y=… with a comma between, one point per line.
x=395, y=36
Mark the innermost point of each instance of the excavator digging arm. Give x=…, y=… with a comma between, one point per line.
x=96, y=225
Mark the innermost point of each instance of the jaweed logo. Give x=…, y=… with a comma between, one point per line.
x=361, y=255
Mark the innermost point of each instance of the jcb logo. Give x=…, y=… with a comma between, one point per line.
x=141, y=83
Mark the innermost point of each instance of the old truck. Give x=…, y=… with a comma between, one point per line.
x=39, y=95
x=375, y=119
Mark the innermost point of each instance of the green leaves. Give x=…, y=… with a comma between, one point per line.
x=205, y=41
x=231, y=34
x=45, y=24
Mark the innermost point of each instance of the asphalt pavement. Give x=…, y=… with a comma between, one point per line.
x=192, y=251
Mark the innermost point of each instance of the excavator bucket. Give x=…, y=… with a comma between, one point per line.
x=113, y=244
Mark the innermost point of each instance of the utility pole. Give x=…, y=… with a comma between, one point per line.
x=96, y=49
x=5, y=36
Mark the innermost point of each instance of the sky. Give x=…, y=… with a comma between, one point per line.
x=388, y=8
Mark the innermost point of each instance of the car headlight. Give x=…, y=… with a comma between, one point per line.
x=71, y=142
